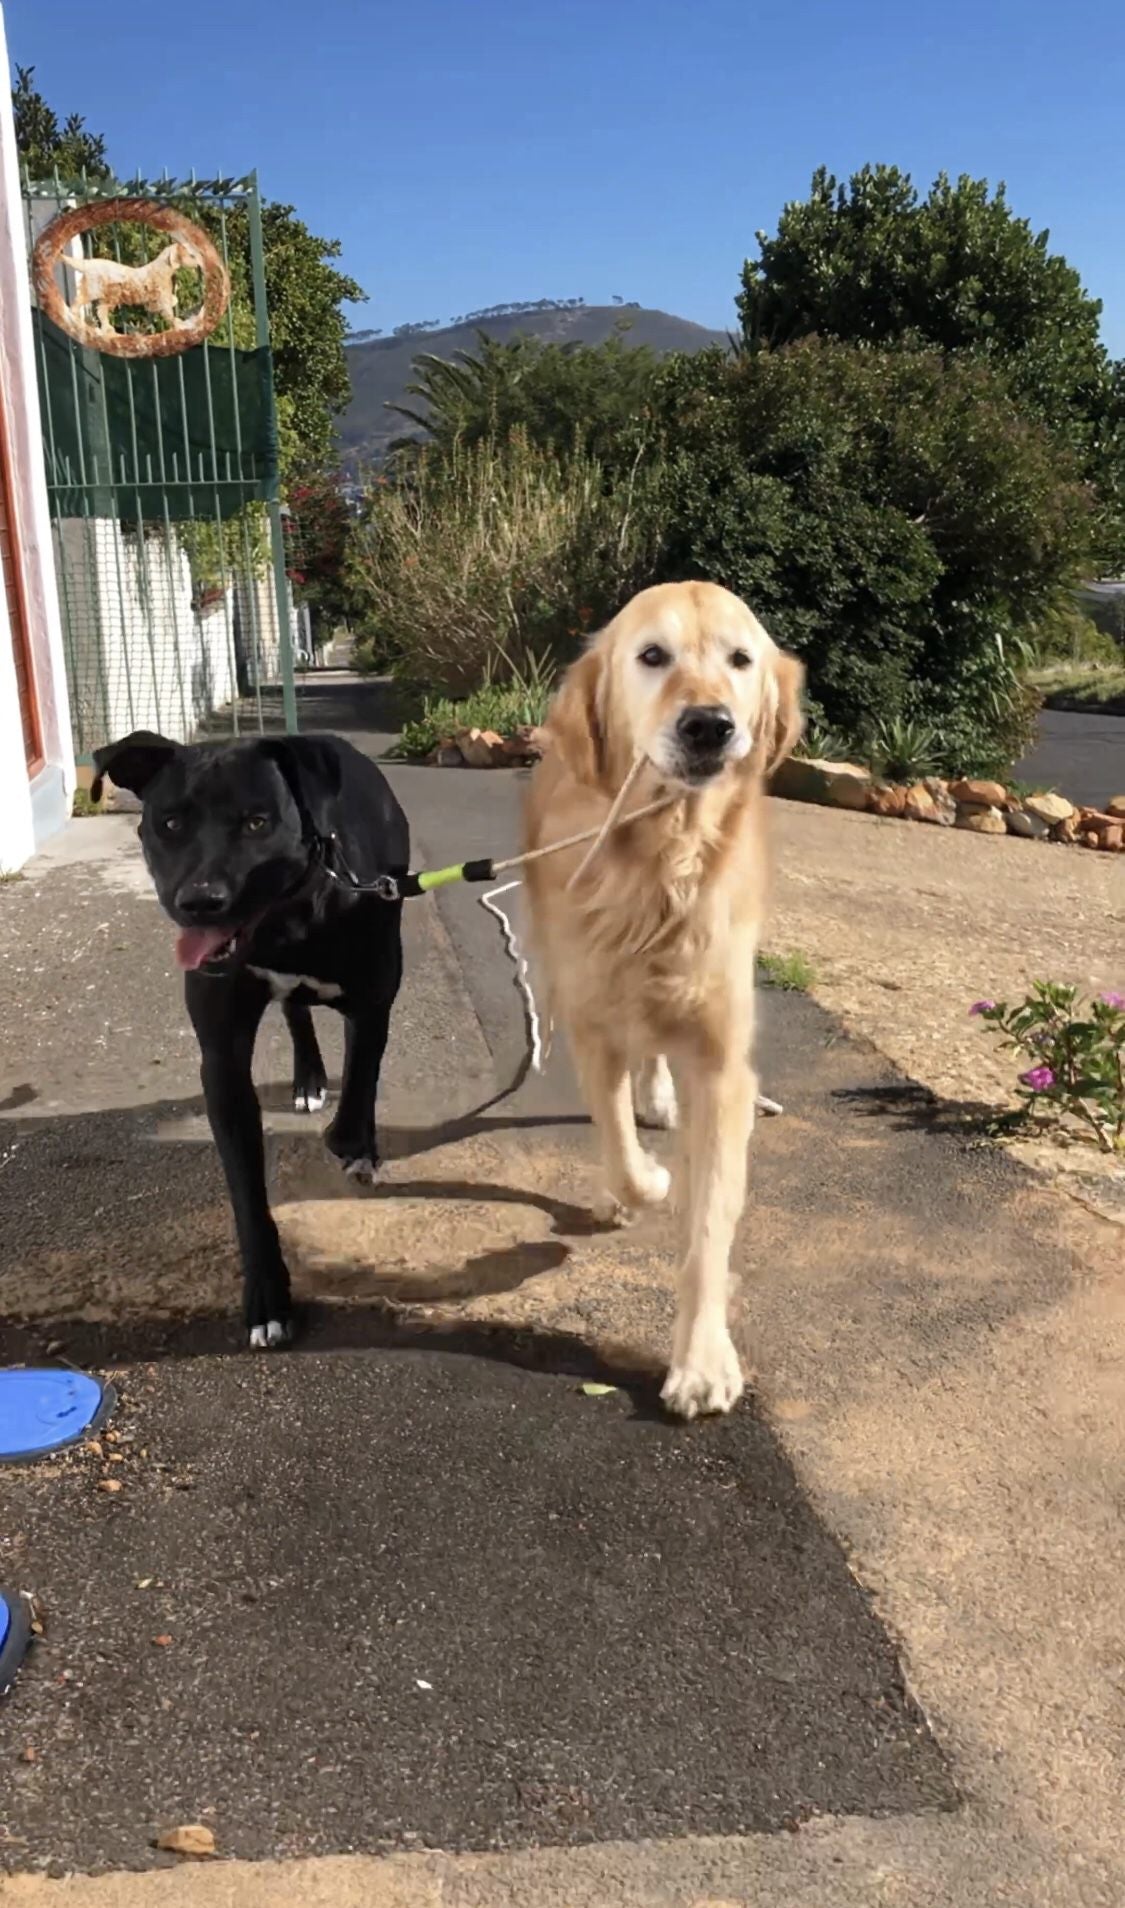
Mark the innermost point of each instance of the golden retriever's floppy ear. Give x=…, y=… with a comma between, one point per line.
x=573, y=720
x=789, y=716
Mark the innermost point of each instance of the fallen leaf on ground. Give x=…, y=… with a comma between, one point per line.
x=109, y=1484
x=144, y=1583
x=30, y=1754
x=191, y=1839
x=162, y=1642
x=597, y=1391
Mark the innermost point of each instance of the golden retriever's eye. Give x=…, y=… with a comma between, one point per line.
x=256, y=824
x=654, y=657
x=741, y=659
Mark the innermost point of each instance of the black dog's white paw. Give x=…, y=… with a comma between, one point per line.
x=271, y=1336
x=310, y=1099
x=364, y=1171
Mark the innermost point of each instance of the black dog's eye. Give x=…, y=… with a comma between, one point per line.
x=740, y=659
x=654, y=657
x=256, y=824
x=170, y=824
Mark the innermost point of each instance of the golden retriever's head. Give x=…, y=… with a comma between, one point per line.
x=687, y=677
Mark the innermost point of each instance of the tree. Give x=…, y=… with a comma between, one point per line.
x=893, y=516
x=304, y=293
x=872, y=263
x=304, y=287
x=320, y=528
x=43, y=144
x=561, y=396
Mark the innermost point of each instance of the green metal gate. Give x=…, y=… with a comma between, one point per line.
x=162, y=476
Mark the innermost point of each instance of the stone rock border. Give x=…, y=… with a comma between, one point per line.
x=484, y=748
x=981, y=807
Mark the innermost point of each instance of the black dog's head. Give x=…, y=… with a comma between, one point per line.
x=228, y=832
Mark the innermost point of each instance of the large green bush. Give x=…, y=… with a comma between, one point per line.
x=483, y=559
x=891, y=516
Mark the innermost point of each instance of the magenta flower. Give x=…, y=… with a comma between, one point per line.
x=1114, y=1000
x=982, y=1007
x=1038, y=1079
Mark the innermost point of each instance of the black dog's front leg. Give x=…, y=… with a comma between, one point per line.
x=310, y=1081
x=226, y=1015
x=351, y=1136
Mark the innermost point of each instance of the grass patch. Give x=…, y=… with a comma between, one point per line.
x=82, y=807
x=794, y=973
x=503, y=709
x=1081, y=685
x=521, y=703
x=1021, y=790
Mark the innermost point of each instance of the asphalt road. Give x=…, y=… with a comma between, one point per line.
x=1083, y=756
x=393, y=1598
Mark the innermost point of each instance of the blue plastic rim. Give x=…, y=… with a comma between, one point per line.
x=44, y=1410
x=14, y=1632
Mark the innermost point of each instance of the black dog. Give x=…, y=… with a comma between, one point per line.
x=260, y=851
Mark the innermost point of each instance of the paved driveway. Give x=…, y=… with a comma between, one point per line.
x=1083, y=756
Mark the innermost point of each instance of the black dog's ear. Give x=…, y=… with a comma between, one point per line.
x=132, y=762
x=311, y=767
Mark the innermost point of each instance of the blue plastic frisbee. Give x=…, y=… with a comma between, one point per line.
x=14, y=1632
x=46, y=1409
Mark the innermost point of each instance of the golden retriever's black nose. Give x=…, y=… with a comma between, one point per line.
x=204, y=900
x=706, y=729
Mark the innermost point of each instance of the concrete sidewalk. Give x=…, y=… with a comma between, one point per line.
x=939, y=1350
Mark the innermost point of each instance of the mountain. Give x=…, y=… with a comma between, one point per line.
x=381, y=368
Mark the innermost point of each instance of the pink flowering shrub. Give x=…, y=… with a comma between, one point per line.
x=1075, y=1050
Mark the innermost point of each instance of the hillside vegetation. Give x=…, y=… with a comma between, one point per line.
x=382, y=368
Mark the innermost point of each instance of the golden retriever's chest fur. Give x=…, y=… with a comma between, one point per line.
x=657, y=946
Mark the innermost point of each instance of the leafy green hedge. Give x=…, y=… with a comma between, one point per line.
x=891, y=516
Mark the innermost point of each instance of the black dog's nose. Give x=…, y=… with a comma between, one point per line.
x=706, y=729
x=204, y=900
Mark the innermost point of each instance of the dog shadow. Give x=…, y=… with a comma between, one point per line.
x=146, y=1183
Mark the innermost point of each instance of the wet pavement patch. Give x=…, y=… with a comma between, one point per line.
x=402, y=1598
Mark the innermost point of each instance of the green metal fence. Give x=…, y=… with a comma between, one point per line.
x=162, y=476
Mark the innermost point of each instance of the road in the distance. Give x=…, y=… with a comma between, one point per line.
x=1082, y=756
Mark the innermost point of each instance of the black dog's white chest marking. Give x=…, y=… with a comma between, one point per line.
x=282, y=985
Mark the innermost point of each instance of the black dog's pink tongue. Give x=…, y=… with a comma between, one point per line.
x=196, y=945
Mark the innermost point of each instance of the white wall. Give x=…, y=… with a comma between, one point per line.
x=29, y=812
x=140, y=656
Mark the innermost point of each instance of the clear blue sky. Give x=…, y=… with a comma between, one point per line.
x=472, y=151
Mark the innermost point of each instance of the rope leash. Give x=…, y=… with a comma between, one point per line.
x=391, y=887
x=540, y=1049
x=405, y=887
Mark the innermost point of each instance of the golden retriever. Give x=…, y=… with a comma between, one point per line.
x=648, y=959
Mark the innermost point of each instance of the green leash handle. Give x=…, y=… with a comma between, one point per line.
x=391, y=888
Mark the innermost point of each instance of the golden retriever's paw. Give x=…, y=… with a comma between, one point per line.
x=619, y=1205
x=609, y=1211
x=707, y=1377
x=648, y=1186
x=654, y=1097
